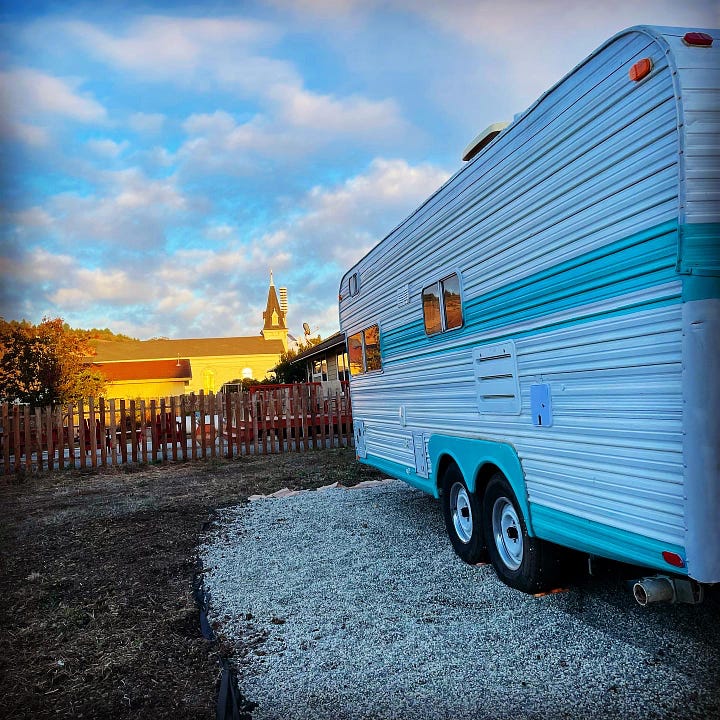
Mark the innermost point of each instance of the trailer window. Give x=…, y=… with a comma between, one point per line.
x=355, y=353
x=353, y=285
x=364, y=351
x=442, y=305
x=372, y=349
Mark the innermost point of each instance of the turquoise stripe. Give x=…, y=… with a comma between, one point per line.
x=598, y=539
x=700, y=287
x=699, y=249
x=637, y=262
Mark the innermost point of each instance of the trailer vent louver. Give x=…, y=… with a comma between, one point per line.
x=496, y=378
x=403, y=296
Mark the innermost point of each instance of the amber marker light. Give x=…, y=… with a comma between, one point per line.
x=640, y=69
x=698, y=39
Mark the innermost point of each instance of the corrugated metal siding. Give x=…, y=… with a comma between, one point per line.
x=698, y=72
x=593, y=162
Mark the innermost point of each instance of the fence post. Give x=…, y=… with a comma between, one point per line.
x=153, y=431
x=203, y=438
x=271, y=420
x=6, y=438
x=133, y=432
x=28, y=439
x=103, y=433
x=38, y=437
x=219, y=424
x=112, y=429
x=263, y=421
x=60, y=430
x=71, y=434
x=172, y=429
x=49, y=427
x=143, y=430
x=123, y=433
x=183, y=428
x=162, y=430
x=247, y=419
x=193, y=429
x=348, y=419
x=331, y=405
x=92, y=432
x=229, y=423
x=81, y=433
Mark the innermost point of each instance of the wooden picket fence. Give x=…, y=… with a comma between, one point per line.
x=106, y=432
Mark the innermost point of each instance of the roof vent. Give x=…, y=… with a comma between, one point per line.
x=483, y=140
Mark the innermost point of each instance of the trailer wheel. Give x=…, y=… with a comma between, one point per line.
x=524, y=563
x=462, y=513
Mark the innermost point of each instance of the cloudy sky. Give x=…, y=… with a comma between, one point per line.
x=159, y=158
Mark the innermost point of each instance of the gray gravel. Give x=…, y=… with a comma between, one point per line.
x=353, y=605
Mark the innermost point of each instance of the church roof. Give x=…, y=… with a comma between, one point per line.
x=146, y=370
x=273, y=306
x=108, y=350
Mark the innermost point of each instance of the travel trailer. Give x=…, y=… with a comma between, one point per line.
x=538, y=344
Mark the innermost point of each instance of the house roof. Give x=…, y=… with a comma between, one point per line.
x=334, y=341
x=110, y=351
x=178, y=369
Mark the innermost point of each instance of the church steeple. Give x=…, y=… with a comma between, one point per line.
x=274, y=326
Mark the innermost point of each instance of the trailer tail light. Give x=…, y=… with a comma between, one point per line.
x=673, y=559
x=640, y=69
x=698, y=39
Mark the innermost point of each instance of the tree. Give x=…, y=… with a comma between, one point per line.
x=46, y=364
x=288, y=372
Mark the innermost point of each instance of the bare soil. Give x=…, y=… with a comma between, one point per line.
x=96, y=572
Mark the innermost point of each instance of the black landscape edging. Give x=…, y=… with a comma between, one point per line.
x=231, y=703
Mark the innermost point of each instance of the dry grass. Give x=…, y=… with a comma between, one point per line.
x=96, y=585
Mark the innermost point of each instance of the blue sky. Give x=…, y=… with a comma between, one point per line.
x=159, y=158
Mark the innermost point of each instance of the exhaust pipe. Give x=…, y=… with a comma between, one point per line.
x=652, y=590
x=665, y=589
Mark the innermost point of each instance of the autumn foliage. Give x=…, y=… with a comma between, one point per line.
x=46, y=364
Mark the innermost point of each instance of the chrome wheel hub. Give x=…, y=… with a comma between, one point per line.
x=461, y=512
x=507, y=533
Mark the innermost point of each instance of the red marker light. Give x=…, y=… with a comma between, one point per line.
x=698, y=39
x=673, y=559
x=640, y=69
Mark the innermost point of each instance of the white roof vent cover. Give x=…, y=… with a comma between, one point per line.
x=483, y=140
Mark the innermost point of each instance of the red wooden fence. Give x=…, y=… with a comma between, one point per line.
x=100, y=432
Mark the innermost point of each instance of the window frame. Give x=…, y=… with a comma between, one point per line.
x=354, y=284
x=363, y=350
x=439, y=288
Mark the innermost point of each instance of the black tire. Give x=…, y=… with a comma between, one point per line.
x=462, y=513
x=524, y=563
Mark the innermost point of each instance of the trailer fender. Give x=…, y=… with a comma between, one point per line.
x=476, y=459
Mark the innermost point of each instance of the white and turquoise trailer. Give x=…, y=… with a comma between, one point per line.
x=538, y=344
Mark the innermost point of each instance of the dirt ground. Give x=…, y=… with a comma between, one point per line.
x=99, y=619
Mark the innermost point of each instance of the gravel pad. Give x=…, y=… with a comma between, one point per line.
x=352, y=604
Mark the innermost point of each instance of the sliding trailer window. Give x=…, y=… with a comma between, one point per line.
x=442, y=305
x=364, y=351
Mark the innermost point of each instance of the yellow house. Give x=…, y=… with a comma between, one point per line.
x=161, y=368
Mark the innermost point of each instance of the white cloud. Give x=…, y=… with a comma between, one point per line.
x=344, y=222
x=189, y=51
x=29, y=92
x=147, y=123
x=127, y=212
x=354, y=115
x=31, y=135
x=107, y=148
x=297, y=124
